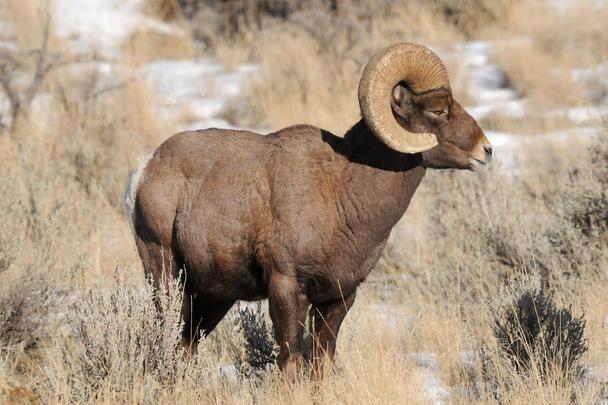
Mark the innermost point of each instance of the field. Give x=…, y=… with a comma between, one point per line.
x=492, y=288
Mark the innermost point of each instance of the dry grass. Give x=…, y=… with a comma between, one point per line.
x=311, y=63
x=164, y=9
x=551, y=42
x=146, y=45
x=65, y=169
x=231, y=53
x=71, y=331
x=22, y=14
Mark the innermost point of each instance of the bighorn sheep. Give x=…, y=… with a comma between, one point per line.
x=299, y=216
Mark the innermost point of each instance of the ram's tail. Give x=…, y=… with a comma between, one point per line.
x=131, y=192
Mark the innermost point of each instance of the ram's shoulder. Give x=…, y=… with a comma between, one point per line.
x=306, y=138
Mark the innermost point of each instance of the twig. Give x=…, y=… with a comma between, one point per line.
x=43, y=64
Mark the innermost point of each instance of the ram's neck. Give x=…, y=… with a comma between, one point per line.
x=379, y=182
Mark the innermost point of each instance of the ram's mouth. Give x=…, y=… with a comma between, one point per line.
x=477, y=164
x=481, y=156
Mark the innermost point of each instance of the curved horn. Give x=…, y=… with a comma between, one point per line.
x=412, y=63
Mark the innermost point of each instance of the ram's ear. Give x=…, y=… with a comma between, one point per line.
x=402, y=102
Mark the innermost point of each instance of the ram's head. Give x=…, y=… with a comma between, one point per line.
x=406, y=100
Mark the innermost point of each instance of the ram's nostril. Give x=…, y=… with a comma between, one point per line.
x=488, y=149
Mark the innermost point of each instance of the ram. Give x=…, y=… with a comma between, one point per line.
x=299, y=216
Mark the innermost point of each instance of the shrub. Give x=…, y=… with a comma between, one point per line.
x=260, y=348
x=586, y=202
x=117, y=338
x=13, y=224
x=579, y=233
x=536, y=335
x=22, y=313
x=29, y=294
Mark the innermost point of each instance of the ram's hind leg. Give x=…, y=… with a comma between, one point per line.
x=161, y=265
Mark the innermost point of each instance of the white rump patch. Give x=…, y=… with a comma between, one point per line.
x=131, y=193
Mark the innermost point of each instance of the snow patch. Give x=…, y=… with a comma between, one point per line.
x=199, y=87
x=435, y=389
x=584, y=115
x=104, y=24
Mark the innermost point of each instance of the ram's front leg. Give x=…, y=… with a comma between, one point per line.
x=288, y=308
x=325, y=320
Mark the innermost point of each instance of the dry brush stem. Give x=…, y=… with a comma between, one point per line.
x=44, y=61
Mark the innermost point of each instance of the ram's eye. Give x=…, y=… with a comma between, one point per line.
x=438, y=112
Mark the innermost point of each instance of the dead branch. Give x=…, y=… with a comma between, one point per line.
x=21, y=100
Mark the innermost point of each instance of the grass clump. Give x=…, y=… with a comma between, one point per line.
x=534, y=332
